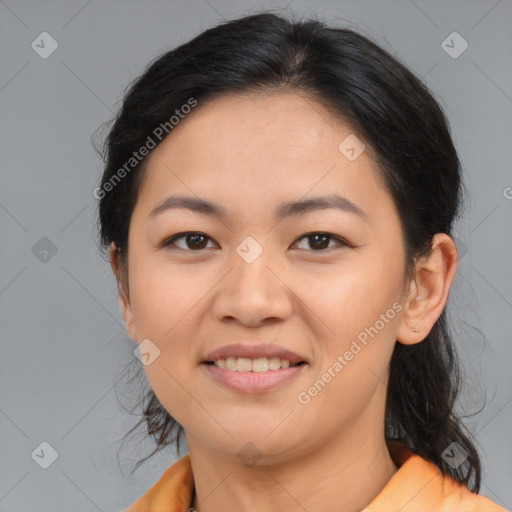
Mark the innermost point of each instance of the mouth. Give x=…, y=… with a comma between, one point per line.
x=257, y=365
x=250, y=381
x=249, y=368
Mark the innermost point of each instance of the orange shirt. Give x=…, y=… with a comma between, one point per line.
x=418, y=485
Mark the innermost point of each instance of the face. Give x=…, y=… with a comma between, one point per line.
x=324, y=284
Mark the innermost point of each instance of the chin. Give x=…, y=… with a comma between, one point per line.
x=258, y=443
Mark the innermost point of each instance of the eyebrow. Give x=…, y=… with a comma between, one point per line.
x=287, y=209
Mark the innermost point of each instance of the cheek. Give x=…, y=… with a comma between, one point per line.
x=345, y=300
x=160, y=299
x=166, y=306
x=354, y=357
x=163, y=312
x=356, y=314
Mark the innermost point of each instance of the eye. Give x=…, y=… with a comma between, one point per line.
x=195, y=241
x=192, y=239
x=319, y=240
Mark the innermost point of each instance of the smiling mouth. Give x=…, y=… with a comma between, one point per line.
x=257, y=365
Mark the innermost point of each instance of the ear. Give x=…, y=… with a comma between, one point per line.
x=124, y=299
x=428, y=291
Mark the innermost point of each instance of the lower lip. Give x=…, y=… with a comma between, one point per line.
x=253, y=382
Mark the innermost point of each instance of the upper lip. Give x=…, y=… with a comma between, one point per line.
x=254, y=352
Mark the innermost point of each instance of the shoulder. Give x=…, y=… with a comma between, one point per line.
x=172, y=492
x=419, y=485
x=459, y=497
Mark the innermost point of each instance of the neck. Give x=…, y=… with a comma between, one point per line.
x=346, y=473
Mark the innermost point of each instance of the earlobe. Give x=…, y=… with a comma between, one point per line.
x=428, y=291
x=124, y=300
x=113, y=256
x=126, y=310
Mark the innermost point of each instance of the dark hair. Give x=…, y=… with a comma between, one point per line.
x=405, y=130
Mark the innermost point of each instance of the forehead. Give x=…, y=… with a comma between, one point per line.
x=257, y=148
x=281, y=124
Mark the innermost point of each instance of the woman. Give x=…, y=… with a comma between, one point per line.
x=277, y=203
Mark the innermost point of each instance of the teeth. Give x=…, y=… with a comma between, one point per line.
x=260, y=364
x=245, y=364
x=231, y=364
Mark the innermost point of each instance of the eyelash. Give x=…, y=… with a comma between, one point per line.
x=343, y=243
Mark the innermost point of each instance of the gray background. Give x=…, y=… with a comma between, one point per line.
x=62, y=339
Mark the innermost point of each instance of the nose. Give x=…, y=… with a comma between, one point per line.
x=254, y=291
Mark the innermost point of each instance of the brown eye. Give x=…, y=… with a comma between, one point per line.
x=193, y=241
x=320, y=241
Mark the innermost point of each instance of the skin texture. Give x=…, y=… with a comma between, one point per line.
x=251, y=153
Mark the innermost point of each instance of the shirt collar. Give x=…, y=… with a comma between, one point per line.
x=417, y=485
